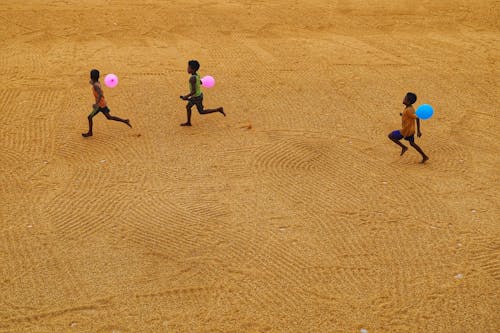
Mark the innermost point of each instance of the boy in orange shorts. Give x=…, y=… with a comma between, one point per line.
x=408, y=130
x=100, y=103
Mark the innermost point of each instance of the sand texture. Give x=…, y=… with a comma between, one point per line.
x=294, y=213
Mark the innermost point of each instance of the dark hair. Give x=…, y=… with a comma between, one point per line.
x=411, y=97
x=94, y=74
x=194, y=64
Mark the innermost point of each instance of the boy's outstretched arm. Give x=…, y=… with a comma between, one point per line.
x=419, y=134
x=192, y=80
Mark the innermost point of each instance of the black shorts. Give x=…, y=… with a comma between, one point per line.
x=96, y=111
x=198, y=101
x=397, y=134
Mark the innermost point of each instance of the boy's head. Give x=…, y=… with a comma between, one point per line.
x=193, y=66
x=94, y=75
x=410, y=99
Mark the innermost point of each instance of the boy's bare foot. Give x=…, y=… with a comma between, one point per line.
x=221, y=110
x=424, y=159
x=127, y=121
x=186, y=124
x=403, y=150
x=86, y=135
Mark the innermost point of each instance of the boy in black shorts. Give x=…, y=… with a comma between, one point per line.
x=100, y=103
x=195, y=97
x=408, y=131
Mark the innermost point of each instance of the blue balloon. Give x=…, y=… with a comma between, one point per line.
x=424, y=111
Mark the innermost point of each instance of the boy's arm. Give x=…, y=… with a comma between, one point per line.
x=99, y=94
x=412, y=115
x=419, y=134
x=192, y=80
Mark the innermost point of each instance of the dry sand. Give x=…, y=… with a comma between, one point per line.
x=293, y=214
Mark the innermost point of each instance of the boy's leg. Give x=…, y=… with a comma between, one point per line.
x=207, y=111
x=188, y=113
x=91, y=115
x=417, y=148
x=395, y=137
x=202, y=110
x=110, y=117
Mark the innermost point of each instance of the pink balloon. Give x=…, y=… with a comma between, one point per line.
x=208, y=81
x=111, y=80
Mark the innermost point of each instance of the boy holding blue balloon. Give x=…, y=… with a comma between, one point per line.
x=408, y=120
x=195, y=97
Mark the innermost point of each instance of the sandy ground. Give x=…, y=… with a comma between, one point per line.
x=293, y=214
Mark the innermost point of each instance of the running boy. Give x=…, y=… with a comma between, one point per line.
x=100, y=103
x=195, y=97
x=408, y=130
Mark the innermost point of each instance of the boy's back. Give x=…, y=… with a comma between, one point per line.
x=408, y=121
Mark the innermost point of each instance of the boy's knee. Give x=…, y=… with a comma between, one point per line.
x=412, y=143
